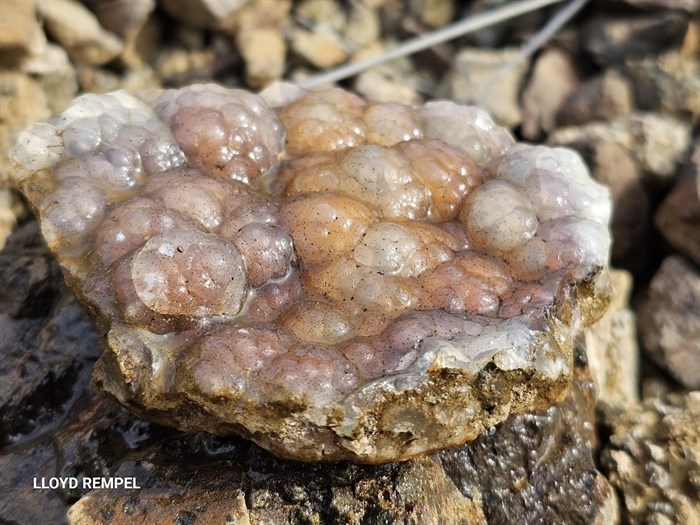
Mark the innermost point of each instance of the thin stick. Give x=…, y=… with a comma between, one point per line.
x=467, y=25
x=552, y=26
x=547, y=31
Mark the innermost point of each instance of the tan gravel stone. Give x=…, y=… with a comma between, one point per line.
x=489, y=79
x=20, y=33
x=260, y=38
x=612, y=349
x=133, y=22
x=78, y=31
x=553, y=79
x=653, y=459
x=207, y=14
x=321, y=50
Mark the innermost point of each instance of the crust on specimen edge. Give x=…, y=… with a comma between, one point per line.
x=431, y=405
x=332, y=278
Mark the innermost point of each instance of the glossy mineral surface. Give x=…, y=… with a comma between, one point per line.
x=332, y=278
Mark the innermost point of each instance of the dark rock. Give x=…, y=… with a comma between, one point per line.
x=208, y=479
x=88, y=440
x=46, y=340
x=678, y=217
x=47, y=415
x=669, y=83
x=538, y=467
x=612, y=39
x=604, y=97
x=669, y=323
x=20, y=503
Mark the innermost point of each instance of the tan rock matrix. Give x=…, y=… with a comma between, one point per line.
x=332, y=278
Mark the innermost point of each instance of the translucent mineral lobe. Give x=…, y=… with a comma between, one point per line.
x=332, y=278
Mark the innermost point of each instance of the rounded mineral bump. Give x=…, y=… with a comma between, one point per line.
x=103, y=169
x=388, y=124
x=199, y=200
x=223, y=363
x=468, y=128
x=324, y=121
x=189, y=273
x=575, y=243
x=446, y=172
x=556, y=182
x=250, y=211
x=529, y=260
x=275, y=297
x=131, y=223
x=392, y=249
x=309, y=374
x=38, y=147
x=231, y=133
x=266, y=250
x=363, y=287
x=316, y=322
x=325, y=224
x=81, y=136
x=384, y=178
x=471, y=282
x=119, y=293
x=498, y=217
x=72, y=212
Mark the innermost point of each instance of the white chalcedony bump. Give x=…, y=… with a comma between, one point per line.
x=72, y=212
x=38, y=147
x=392, y=249
x=555, y=180
x=466, y=127
x=497, y=216
x=190, y=273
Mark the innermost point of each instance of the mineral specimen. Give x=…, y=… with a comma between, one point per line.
x=332, y=278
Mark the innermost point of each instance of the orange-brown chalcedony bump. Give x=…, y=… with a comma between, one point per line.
x=333, y=278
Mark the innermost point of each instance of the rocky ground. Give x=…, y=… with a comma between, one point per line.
x=621, y=84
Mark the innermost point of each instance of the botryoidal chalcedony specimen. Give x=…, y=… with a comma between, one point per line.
x=332, y=278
